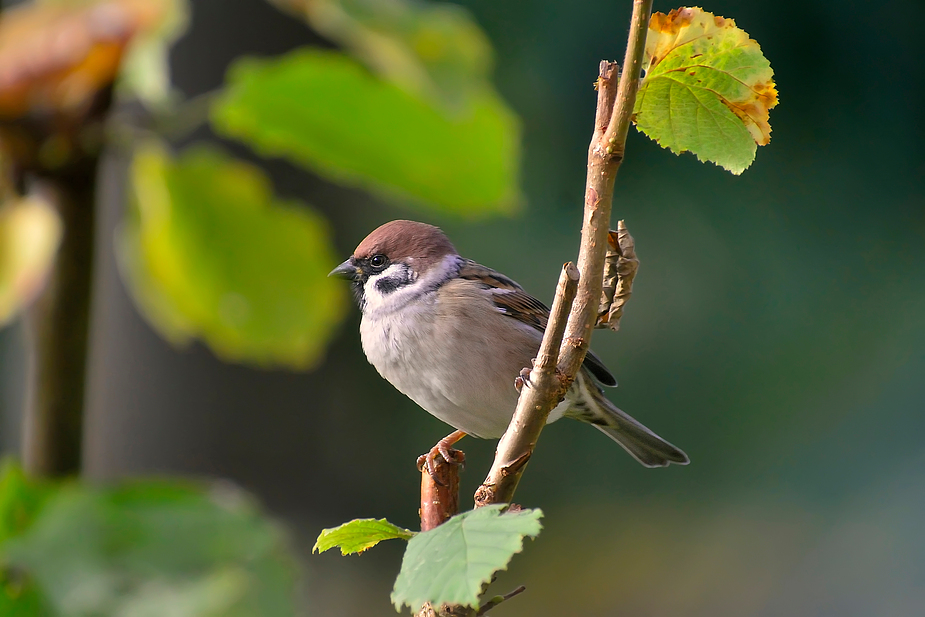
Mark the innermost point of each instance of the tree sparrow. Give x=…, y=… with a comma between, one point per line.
x=454, y=335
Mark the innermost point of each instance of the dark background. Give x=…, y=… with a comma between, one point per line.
x=776, y=333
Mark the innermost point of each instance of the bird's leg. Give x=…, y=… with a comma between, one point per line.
x=444, y=449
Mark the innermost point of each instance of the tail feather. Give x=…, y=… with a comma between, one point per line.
x=644, y=445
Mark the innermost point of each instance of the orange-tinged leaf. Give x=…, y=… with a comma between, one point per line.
x=55, y=57
x=707, y=88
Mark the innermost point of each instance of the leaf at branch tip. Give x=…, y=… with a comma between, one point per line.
x=707, y=88
x=359, y=535
x=325, y=111
x=209, y=253
x=450, y=563
x=30, y=231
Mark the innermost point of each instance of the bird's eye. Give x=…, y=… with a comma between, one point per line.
x=378, y=261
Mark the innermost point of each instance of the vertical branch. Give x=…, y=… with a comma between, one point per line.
x=439, y=502
x=549, y=380
x=439, y=494
x=605, y=155
x=59, y=322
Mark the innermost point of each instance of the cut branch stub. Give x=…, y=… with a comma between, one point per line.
x=620, y=266
x=439, y=493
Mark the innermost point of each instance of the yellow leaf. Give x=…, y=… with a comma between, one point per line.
x=30, y=231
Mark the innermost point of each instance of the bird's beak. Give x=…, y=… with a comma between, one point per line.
x=347, y=270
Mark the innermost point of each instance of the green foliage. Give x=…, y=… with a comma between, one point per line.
x=20, y=500
x=450, y=563
x=707, y=89
x=145, y=70
x=359, y=535
x=208, y=252
x=145, y=548
x=325, y=111
x=432, y=49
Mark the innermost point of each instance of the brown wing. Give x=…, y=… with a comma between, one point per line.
x=513, y=301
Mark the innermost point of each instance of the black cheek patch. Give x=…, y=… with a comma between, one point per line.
x=386, y=285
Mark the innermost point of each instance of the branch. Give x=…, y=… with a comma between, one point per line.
x=548, y=384
x=540, y=394
x=604, y=157
x=439, y=493
x=59, y=322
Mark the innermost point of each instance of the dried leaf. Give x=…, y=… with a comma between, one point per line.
x=54, y=56
x=620, y=267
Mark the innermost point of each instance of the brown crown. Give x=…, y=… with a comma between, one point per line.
x=400, y=240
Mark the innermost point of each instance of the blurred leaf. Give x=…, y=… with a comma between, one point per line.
x=707, y=89
x=21, y=597
x=20, y=500
x=30, y=231
x=209, y=253
x=450, y=563
x=434, y=50
x=359, y=535
x=145, y=68
x=325, y=111
x=55, y=55
x=156, y=548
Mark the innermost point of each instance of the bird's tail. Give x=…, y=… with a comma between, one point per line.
x=645, y=446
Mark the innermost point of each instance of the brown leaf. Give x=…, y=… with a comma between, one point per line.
x=620, y=265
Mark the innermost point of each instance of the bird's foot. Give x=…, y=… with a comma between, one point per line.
x=524, y=378
x=444, y=449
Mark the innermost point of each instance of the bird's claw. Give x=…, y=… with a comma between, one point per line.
x=523, y=379
x=451, y=455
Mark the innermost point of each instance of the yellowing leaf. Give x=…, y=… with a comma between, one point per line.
x=55, y=55
x=30, y=231
x=707, y=88
x=209, y=253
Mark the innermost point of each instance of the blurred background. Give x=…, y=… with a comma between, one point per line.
x=776, y=332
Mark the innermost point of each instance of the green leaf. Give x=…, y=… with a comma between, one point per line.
x=30, y=231
x=434, y=50
x=20, y=500
x=359, y=535
x=323, y=110
x=156, y=548
x=450, y=563
x=707, y=89
x=209, y=253
x=145, y=70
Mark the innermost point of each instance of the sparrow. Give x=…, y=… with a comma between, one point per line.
x=454, y=336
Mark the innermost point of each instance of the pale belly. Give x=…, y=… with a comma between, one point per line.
x=463, y=373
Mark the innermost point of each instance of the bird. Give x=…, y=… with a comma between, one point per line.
x=454, y=336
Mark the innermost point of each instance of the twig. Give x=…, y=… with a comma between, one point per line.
x=499, y=599
x=59, y=322
x=439, y=494
x=538, y=397
x=548, y=384
x=604, y=157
